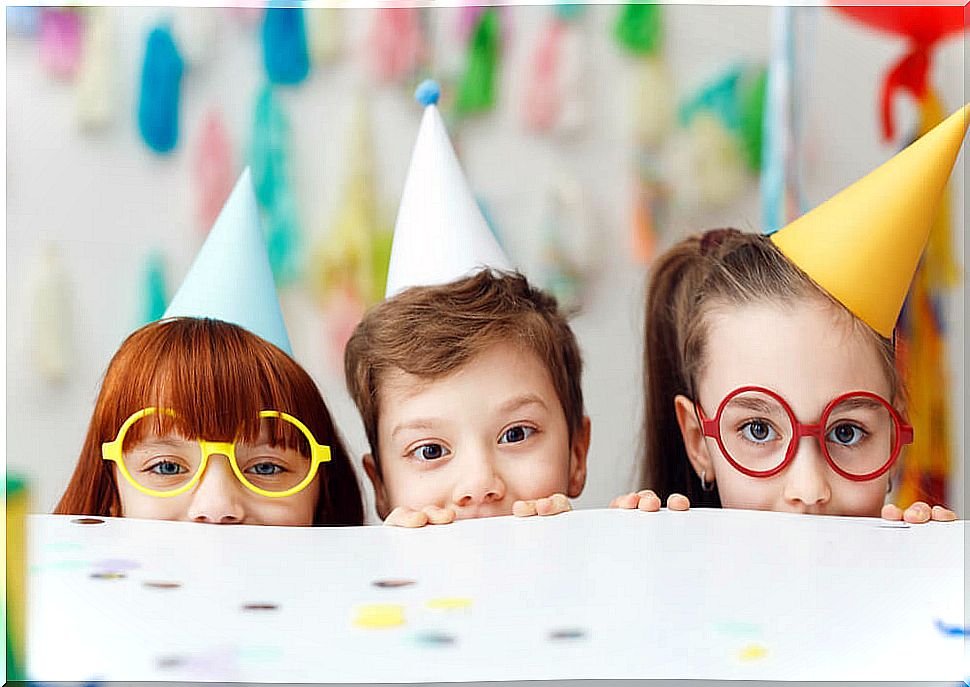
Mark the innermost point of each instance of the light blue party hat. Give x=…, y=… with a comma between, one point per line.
x=231, y=279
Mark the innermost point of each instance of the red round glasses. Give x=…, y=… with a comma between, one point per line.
x=860, y=433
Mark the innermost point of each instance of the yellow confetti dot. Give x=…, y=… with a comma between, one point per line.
x=448, y=604
x=379, y=615
x=753, y=652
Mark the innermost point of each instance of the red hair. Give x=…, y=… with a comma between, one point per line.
x=218, y=376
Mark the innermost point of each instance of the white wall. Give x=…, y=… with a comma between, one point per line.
x=106, y=200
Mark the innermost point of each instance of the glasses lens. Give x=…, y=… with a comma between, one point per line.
x=756, y=431
x=278, y=459
x=156, y=457
x=860, y=435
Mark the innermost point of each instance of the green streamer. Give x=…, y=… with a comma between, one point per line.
x=639, y=29
x=476, y=91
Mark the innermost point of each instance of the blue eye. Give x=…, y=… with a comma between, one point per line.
x=167, y=468
x=846, y=434
x=758, y=431
x=514, y=435
x=266, y=469
x=429, y=452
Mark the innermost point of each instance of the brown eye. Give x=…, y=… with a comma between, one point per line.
x=514, y=435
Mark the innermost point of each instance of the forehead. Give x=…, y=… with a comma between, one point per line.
x=501, y=372
x=809, y=351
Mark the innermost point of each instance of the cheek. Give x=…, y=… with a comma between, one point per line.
x=408, y=485
x=737, y=490
x=860, y=498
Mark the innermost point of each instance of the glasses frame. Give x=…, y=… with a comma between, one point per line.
x=712, y=428
x=112, y=451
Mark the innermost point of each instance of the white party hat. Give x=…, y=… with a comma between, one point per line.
x=440, y=234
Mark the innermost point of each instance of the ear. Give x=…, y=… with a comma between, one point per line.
x=381, y=504
x=693, y=435
x=577, y=459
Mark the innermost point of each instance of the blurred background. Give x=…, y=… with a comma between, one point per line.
x=594, y=136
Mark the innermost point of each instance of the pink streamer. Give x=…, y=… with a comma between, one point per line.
x=542, y=101
x=397, y=42
x=60, y=42
x=213, y=169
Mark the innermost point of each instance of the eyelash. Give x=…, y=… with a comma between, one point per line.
x=530, y=432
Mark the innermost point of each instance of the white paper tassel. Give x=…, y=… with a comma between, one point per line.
x=95, y=92
x=323, y=29
x=51, y=341
x=572, y=80
x=194, y=29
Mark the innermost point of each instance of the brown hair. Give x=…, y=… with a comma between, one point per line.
x=722, y=266
x=218, y=376
x=430, y=331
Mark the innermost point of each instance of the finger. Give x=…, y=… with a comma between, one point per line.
x=560, y=504
x=439, y=516
x=524, y=509
x=892, y=512
x=545, y=506
x=918, y=513
x=406, y=517
x=678, y=502
x=625, y=501
x=649, y=502
x=941, y=514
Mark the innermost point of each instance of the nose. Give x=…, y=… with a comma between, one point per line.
x=216, y=498
x=807, y=478
x=479, y=482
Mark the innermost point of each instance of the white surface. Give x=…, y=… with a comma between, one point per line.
x=108, y=201
x=660, y=595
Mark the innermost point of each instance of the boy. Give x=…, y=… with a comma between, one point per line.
x=471, y=400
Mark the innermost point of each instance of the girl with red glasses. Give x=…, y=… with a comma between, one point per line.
x=770, y=375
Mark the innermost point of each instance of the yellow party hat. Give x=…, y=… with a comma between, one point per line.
x=863, y=245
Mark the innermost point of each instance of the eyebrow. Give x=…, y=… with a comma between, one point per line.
x=522, y=401
x=420, y=423
x=859, y=402
x=755, y=404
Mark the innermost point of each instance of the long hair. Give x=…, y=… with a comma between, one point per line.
x=218, y=376
x=722, y=266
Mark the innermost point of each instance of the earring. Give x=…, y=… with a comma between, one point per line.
x=705, y=485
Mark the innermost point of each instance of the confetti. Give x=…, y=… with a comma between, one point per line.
x=88, y=521
x=435, y=639
x=568, y=633
x=952, y=630
x=449, y=604
x=379, y=615
x=108, y=575
x=752, y=652
x=154, y=584
x=893, y=526
x=169, y=662
x=260, y=607
x=393, y=583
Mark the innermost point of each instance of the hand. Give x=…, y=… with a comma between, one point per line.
x=551, y=505
x=402, y=516
x=918, y=513
x=647, y=500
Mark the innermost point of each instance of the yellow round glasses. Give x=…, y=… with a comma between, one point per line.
x=280, y=462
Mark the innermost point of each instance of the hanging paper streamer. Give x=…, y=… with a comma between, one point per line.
x=154, y=292
x=542, y=99
x=214, y=171
x=60, y=41
x=52, y=335
x=476, y=90
x=922, y=352
x=654, y=105
x=397, y=43
x=284, y=45
x=568, y=246
x=639, y=29
x=195, y=32
x=650, y=203
x=95, y=92
x=158, y=101
x=270, y=151
x=354, y=253
x=323, y=30
x=247, y=15
x=554, y=99
x=781, y=196
x=23, y=21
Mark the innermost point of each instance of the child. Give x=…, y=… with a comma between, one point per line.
x=204, y=416
x=755, y=342
x=467, y=380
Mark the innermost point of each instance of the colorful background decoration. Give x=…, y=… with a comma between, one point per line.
x=593, y=136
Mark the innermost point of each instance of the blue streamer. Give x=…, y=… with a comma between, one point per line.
x=155, y=300
x=284, y=45
x=158, y=101
x=23, y=21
